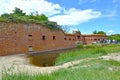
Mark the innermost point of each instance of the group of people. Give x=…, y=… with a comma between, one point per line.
x=112, y=41
x=106, y=41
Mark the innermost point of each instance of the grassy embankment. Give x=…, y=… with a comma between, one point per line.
x=94, y=69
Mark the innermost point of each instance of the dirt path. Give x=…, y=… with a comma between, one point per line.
x=20, y=63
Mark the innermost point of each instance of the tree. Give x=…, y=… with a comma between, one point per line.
x=43, y=17
x=38, y=17
x=66, y=29
x=52, y=25
x=95, y=32
x=9, y=17
x=5, y=15
x=114, y=36
x=19, y=16
x=18, y=12
x=99, y=32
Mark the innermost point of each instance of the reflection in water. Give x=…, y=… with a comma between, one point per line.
x=46, y=59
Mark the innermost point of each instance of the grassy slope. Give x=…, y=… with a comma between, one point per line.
x=91, y=51
x=96, y=69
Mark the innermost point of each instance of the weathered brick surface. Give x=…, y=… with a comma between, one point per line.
x=88, y=39
x=17, y=38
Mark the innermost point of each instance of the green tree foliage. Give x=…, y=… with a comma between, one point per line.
x=52, y=25
x=99, y=32
x=95, y=32
x=18, y=12
x=19, y=16
x=115, y=37
x=9, y=17
x=41, y=17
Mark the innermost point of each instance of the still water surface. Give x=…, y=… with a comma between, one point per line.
x=44, y=59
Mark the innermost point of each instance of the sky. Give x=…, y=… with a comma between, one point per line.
x=83, y=15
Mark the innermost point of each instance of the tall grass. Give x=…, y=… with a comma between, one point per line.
x=112, y=48
x=87, y=52
x=96, y=69
x=79, y=54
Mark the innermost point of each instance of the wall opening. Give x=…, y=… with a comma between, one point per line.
x=43, y=37
x=53, y=37
x=30, y=35
x=78, y=36
x=65, y=38
x=69, y=38
x=30, y=48
x=95, y=39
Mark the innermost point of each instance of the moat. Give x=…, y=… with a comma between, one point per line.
x=47, y=59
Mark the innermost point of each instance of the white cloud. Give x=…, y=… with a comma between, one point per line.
x=68, y=17
x=42, y=6
x=110, y=32
x=75, y=17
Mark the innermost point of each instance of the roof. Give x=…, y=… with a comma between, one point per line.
x=70, y=34
x=95, y=35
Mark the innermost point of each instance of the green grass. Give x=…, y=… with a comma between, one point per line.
x=94, y=69
x=113, y=48
x=79, y=54
x=88, y=52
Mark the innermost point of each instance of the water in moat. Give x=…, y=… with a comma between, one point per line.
x=45, y=59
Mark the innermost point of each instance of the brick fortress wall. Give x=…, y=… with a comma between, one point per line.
x=18, y=38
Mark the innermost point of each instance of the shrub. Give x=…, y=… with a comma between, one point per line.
x=80, y=46
x=90, y=46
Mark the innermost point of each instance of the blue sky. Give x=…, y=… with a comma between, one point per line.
x=84, y=15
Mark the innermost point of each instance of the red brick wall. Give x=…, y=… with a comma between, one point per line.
x=18, y=37
x=89, y=39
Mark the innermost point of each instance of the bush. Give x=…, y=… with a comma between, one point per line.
x=90, y=46
x=19, y=16
x=80, y=46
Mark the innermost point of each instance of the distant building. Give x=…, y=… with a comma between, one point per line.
x=16, y=38
x=86, y=39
